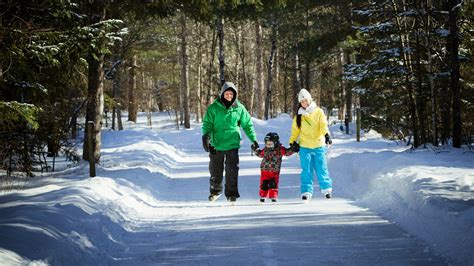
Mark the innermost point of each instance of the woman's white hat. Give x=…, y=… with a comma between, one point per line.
x=304, y=94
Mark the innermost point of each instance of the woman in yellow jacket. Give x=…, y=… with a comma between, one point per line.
x=310, y=125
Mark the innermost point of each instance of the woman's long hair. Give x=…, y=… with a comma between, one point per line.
x=298, y=116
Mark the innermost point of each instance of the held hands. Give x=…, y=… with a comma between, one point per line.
x=254, y=146
x=328, y=139
x=295, y=147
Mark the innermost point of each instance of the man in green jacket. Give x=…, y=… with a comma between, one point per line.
x=222, y=138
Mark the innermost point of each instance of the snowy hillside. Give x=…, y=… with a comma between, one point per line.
x=148, y=206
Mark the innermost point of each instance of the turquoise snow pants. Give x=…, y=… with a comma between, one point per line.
x=314, y=160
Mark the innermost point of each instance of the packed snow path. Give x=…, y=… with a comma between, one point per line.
x=148, y=206
x=319, y=233
x=322, y=232
x=183, y=228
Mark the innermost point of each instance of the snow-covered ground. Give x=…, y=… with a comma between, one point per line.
x=148, y=206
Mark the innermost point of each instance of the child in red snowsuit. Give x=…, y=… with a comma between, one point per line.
x=270, y=166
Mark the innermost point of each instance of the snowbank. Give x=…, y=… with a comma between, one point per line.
x=430, y=195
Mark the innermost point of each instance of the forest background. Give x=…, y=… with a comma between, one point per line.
x=404, y=67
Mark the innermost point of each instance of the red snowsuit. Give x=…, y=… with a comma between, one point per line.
x=270, y=169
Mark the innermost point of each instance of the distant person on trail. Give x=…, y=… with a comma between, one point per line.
x=221, y=137
x=310, y=125
x=272, y=155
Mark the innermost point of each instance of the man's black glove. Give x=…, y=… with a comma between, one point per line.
x=328, y=139
x=205, y=142
x=212, y=150
x=254, y=146
x=295, y=147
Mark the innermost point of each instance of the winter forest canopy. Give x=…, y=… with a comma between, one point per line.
x=405, y=65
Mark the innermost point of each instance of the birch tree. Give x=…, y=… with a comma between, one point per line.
x=184, y=72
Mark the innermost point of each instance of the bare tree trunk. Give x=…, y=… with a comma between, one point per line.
x=177, y=118
x=277, y=91
x=405, y=39
x=340, y=64
x=250, y=78
x=132, y=86
x=346, y=89
x=176, y=87
x=260, y=82
x=270, y=77
x=446, y=94
x=119, y=118
x=286, y=103
x=431, y=84
x=421, y=95
x=116, y=83
x=150, y=101
x=240, y=46
x=184, y=72
x=74, y=126
x=453, y=52
x=296, y=84
x=199, y=113
x=305, y=72
x=95, y=104
x=220, y=35
x=114, y=96
x=118, y=105
x=211, y=65
x=113, y=118
x=317, y=94
x=179, y=107
x=237, y=65
x=348, y=92
x=407, y=63
x=95, y=90
x=307, y=76
x=198, y=76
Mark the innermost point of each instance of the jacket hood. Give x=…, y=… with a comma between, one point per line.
x=228, y=86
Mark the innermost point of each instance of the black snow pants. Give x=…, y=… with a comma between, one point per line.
x=229, y=159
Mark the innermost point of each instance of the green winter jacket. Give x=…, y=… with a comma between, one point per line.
x=223, y=124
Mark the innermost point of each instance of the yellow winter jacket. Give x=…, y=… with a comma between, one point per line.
x=313, y=128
